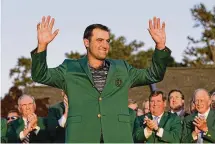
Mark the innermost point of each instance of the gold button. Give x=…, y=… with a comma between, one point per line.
x=99, y=115
x=100, y=98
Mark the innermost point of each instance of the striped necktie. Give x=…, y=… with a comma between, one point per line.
x=26, y=139
x=200, y=135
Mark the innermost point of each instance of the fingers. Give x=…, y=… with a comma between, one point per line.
x=163, y=26
x=55, y=33
x=158, y=23
x=47, y=21
x=43, y=21
x=150, y=24
x=38, y=26
x=52, y=23
x=155, y=22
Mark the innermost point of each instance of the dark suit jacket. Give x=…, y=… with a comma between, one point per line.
x=3, y=130
x=188, y=128
x=92, y=112
x=171, y=123
x=15, y=127
x=57, y=133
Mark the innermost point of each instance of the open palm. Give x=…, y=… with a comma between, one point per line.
x=44, y=31
x=157, y=32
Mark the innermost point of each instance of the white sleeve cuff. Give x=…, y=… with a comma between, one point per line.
x=62, y=121
x=21, y=135
x=147, y=133
x=195, y=137
x=37, y=129
x=160, y=132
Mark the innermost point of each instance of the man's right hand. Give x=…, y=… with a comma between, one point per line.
x=44, y=33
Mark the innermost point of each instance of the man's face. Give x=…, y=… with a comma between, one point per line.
x=98, y=46
x=146, y=107
x=176, y=101
x=157, y=105
x=27, y=106
x=12, y=116
x=202, y=101
x=213, y=101
x=133, y=106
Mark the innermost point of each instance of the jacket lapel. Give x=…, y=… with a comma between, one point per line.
x=210, y=118
x=84, y=64
x=163, y=120
x=111, y=71
x=20, y=125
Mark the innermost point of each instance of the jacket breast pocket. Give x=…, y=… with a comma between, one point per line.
x=124, y=118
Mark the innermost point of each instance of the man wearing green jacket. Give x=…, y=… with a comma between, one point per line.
x=28, y=128
x=57, y=115
x=199, y=127
x=157, y=126
x=97, y=87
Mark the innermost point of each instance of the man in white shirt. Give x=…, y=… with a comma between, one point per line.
x=57, y=115
x=28, y=128
x=199, y=127
x=157, y=126
x=176, y=103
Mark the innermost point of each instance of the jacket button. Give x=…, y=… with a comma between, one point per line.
x=99, y=115
x=100, y=99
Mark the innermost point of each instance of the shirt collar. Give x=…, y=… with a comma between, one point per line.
x=178, y=113
x=25, y=120
x=105, y=64
x=205, y=114
x=158, y=116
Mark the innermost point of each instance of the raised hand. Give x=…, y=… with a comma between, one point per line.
x=157, y=33
x=44, y=32
x=32, y=121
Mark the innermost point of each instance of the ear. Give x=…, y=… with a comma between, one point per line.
x=35, y=107
x=209, y=102
x=86, y=43
x=183, y=101
x=19, y=109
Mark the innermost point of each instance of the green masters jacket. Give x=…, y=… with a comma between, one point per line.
x=56, y=132
x=133, y=116
x=91, y=112
x=15, y=127
x=3, y=130
x=188, y=128
x=171, y=123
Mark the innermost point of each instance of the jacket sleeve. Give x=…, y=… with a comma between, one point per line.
x=138, y=132
x=52, y=123
x=154, y=73
x=173, y=135
x=187, y=131
x=210, y=135
x=12, y=135
x=49, y=76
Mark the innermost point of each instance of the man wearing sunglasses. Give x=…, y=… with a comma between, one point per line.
x=12, y=115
